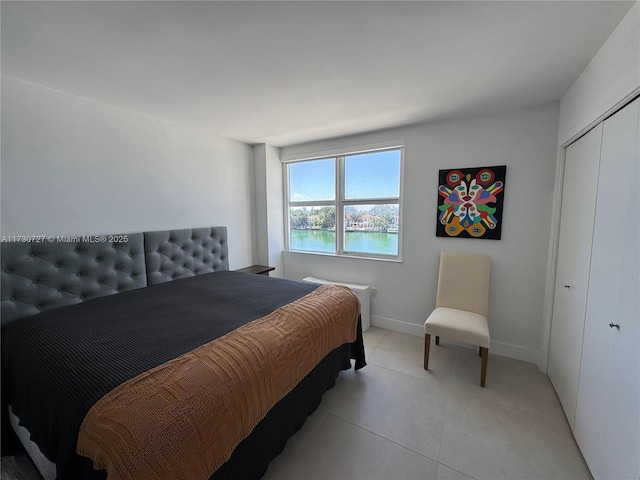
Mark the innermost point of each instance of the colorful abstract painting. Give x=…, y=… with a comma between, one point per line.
x=470, y=202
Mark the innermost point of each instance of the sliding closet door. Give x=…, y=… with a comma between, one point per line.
x=572, y=271
x=608, y=409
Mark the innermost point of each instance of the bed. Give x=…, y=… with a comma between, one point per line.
x=225, y=366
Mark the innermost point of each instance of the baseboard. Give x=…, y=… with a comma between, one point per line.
x=526, y=354
x=517, y=352
x=397, y=326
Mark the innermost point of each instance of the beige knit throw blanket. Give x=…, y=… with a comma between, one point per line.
x=183, y=419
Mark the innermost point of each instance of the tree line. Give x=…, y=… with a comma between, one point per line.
x=382, y=217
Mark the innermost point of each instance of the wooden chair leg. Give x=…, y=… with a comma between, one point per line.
x=437, y=340
x=427, y=345
x=483, y=370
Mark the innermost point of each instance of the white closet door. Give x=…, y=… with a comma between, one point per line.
x=608, y=409
x=572, y=272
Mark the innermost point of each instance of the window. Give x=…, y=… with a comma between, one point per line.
x=346, y=204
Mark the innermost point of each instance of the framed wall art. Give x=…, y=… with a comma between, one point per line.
x=470, y=202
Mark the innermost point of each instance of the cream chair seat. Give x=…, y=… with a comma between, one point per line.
x=462, y=303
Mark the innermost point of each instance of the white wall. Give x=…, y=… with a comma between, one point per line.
x=268, y=208
x=611, y=78
x=525, y=141
x=73, y=166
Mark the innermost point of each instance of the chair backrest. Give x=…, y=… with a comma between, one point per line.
x=463, y=281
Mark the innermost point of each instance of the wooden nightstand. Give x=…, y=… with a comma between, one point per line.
x=257, y=269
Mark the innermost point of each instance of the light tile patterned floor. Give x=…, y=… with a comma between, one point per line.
x=395, y=421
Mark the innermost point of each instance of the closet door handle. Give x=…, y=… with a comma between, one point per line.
x=567, y=286
x=614, y=325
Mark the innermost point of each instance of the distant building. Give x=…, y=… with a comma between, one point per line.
x=312, y=221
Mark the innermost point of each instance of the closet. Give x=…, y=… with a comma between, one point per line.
x=594, y=360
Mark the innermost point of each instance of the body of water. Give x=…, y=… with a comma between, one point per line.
x=361, y=242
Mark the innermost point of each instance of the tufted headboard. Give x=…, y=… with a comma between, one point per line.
x=173, y=254
x=45, y=275
x=40, y=276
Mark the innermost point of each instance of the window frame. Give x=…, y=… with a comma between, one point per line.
x=340, y=202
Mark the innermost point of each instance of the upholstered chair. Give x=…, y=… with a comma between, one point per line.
x=462, y=302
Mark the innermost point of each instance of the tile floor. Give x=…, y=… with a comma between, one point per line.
x=393, y=420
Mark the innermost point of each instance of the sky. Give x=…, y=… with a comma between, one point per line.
x=369, y=175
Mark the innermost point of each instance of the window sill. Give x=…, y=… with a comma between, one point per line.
x=335, y=255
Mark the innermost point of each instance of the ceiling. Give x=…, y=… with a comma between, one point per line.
x=290, y=72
